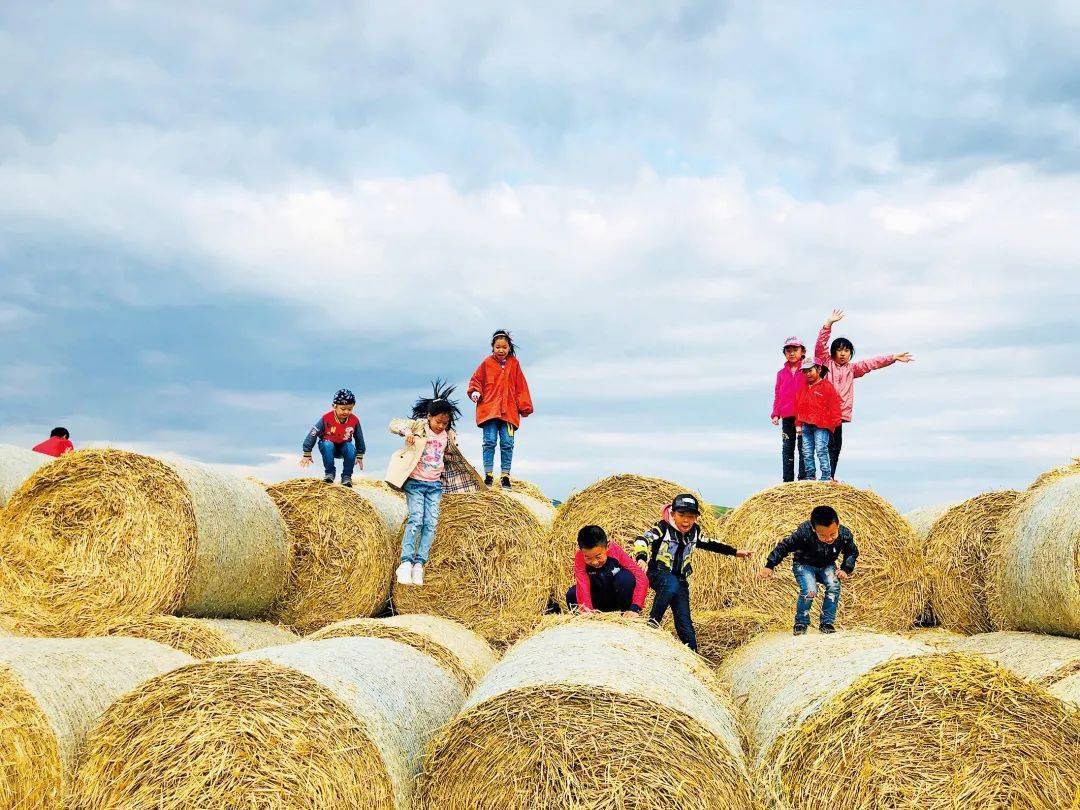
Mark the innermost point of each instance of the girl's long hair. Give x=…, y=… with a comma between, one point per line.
x=438, y=402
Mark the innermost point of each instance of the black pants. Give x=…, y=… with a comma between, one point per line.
x=673, y=591
x=609, y=594
x=791, y=449
x=836, y=441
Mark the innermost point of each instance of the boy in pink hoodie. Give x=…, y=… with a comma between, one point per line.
x=843, y=373
x=789, y=382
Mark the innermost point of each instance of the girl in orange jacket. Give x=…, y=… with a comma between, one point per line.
x=501, y=394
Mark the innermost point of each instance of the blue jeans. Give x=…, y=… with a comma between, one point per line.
x=422, y=498
x=674, y=591
x=496, y=430
x=346, y=451
x=808, y=577
x=815, y=442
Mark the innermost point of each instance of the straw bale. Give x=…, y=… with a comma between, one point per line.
x=16, y=465
x=625, y=506
x=100, y=535
x=1033, y=656
x=455, y=647
x=860, y=720
x=888, y=590
x=542, y=510
x=204, y=638
x=563, y=719
x=1068, y=689
x=488, y=568
x=922, y=519
x=334, y=723
x=721, y=631
x=528, y=488
x=1035, y=562
x=344, y=556
x=52, y=691
x=958, y=549
x=1050, y=476
x=389, y=502
x=937, y=637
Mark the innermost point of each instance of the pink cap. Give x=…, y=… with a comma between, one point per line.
x=794, y=341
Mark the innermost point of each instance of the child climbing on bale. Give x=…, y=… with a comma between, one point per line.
x=816, y=544
x=843, y=373
x=789, y=382
x=501, y=394
x=666, y=551
x=607, y=579
x=58, y=443
x=339, y=435
x=817, y=415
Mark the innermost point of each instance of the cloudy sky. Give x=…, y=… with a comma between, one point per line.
x=210, y=220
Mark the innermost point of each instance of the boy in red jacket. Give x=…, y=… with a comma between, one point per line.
x=817, y=415
x=607, y=579
x=58, y=443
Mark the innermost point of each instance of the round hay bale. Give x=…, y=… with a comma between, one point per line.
x=204, y=638
x=455, y=647
x=893, y=725
x=16, y=465
x=721, y=631
x=52, y=691
x=389, y=502
x=1068, y=690
x=888, y=590
x=1035, y=563
x=333, y=723
x=528, y=488
x=100, y=535
x=625, y=506
x=1050, y=476
x=542, y=510
x=958, y=549
x=486, y=569
x=1033, y=656
x=922, y=519
x=343, y=555
x=563, y=719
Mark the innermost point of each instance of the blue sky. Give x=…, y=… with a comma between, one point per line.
x=212, y=219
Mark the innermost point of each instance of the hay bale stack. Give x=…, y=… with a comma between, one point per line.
x=922, y=519
x=389, y=502
x=1050, y=476
x=563, y=719
x=888, y=590
x=101, y=535
x=1068, y=690
x=455, y=647
x=856, y=721
x=204, y=638
x=1035, y=562
x=343, y=555
x=1033, y=656
x=958, y=549
x=333, y=723
x=721, y=631
x=52, y=691
x=16, y=465
x=487, y=568
x=625, y=506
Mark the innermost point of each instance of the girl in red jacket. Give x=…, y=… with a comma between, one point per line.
x=817, y=415
x=502, y=399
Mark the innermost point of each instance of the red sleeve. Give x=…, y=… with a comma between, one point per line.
x=477, y=381
x=821, y=348
x=641, y=582
x=524, y=399
x=584, y=591
x=835, y=414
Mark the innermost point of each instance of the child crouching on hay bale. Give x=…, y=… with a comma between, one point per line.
x=665, y=551
x=607, y=579
x=817, y=544
x=817, y=415
x=429, y=465
x=339, y=435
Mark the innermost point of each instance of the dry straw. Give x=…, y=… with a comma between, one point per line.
x=721, y=631
x=389, y=502
x=922, y=519
x=488, y=568
x=528, y=488
x=1033, y=656
x=937, y=637
x=204, y=638
x=455, y=647
x=16, y=465
x=888, y=590
x=344, y=557
x=1035, y=563
x=591, y=713
x=958, y=548
x=52, y=691
x=542, y=510
x=333, y=723
x=99, y=535
x=1050, y=476
x=859, y=720
x=1068, y=689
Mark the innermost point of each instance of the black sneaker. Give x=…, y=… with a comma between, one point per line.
x=328, y=479
x=346, y=482
x=489, y=479
x=506, y=482
x=800, y=630
x=827, y=628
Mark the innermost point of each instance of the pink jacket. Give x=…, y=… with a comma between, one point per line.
x=789, y=382
x=843, y=377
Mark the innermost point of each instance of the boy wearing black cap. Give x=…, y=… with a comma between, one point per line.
x=665, y=552
x=339, y=435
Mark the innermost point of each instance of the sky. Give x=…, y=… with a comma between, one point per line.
x=213, y=216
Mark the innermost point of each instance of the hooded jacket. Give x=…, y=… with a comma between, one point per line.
x=808, y=550
x=504, y=394
x=789, y=382
x=843, y=376
x=668, y=549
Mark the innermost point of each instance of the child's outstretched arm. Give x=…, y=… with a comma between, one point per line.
x=716, y=547
x=858, y=369
x=821, y=346
x=783, y=548
x=316, y=433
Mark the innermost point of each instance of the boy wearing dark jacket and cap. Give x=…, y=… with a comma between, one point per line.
x=665, y=552
x=816, y=544
x=339, y=435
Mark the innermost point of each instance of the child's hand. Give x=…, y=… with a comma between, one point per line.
x=475, y=396
x=630, y=614
x=776, y=421
x=843, y=575
x=305, y=461
x=410, y=440
x=903, y=357
x=360, y=462
x=643, y=565
x=765, y=573
x=798, y=430
x=837, y=315
x=743, y=554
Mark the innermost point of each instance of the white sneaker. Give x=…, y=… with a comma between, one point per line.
x=418, y=574
x=405, y=574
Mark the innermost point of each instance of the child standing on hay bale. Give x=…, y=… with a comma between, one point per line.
x=339, y=435
x=608, y=580
x=789, y=382
x=817, y=415
x=843, y=373
x=58, y=443
x=501, y=394
x=817, y=544
x=665, y=553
